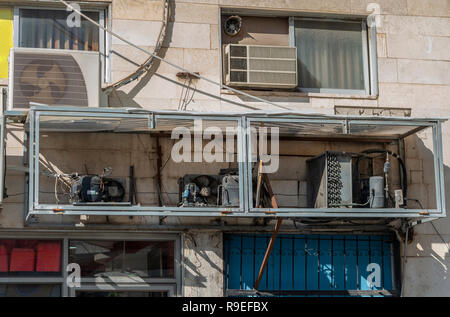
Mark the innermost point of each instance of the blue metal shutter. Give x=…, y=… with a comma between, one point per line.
x=310, y=265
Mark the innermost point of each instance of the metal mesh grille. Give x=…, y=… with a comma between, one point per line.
x=273, y=65
x=272, y=78
x=272, y=52
x=49, y=79
x=334, y=183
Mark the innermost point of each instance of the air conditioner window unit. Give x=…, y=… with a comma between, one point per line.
x=260, y=66
x=53, y=77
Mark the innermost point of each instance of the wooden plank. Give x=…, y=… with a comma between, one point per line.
x=274, y=204
x=268, y=251
x=273, y=200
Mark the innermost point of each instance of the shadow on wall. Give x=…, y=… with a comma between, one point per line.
x=198, y=260
x=428, y=256
x=120, y=98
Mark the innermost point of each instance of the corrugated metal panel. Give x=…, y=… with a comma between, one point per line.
x=310, y=265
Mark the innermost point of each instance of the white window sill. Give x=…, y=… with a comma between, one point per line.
x=300, y=94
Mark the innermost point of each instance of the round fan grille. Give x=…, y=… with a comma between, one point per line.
x=43, y=81
x=232, y=25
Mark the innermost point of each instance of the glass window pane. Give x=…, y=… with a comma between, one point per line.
x=149, y=259
x=30, y=257
x=49, y=29
x=30, y=290
x=330, y=54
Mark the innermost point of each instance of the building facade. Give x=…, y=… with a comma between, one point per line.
x=361, y=83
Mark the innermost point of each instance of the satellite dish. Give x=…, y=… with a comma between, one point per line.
x=232, y=25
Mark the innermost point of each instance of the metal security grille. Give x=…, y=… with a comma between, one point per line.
x=311, y=265
x=54, y=79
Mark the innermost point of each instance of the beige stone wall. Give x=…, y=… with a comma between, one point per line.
x=413, y=45
x=203, y=264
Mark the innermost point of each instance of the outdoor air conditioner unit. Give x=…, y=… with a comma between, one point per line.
x=260, y=66
x=53, y=77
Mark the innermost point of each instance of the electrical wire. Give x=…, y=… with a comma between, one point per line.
x=193, y=74
x=432, y=224
x=145, y=67
x=402, y=165
x=440, y=236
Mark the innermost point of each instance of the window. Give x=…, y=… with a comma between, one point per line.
x=30, y=290
x=109, y=268
x=31, y=268
x=147, y=259
x=30, y=258
x=332, y=55
x=48, y=28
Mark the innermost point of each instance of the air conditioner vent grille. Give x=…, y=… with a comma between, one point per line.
x=48, y=79
x=238, y=51
x=272, y=65
x=238, y=77
x=272, y=52
x=272, y=78
x=53, y=77
x=238, y=63
x=264, y=67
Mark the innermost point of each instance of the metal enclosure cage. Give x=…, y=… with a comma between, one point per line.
x=362, y=130
x=42, y=120
x=288, y=126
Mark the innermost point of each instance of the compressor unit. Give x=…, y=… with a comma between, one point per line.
x=335, y=181
x=197, y=190
x=90, y=189
x=96, y=188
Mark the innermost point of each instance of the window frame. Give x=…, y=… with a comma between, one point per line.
x=369, y=52
x=170, y=289
x=133, y=210
x=173, y=285
x=149, y=280
x=104, y=42
x=58, y=279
